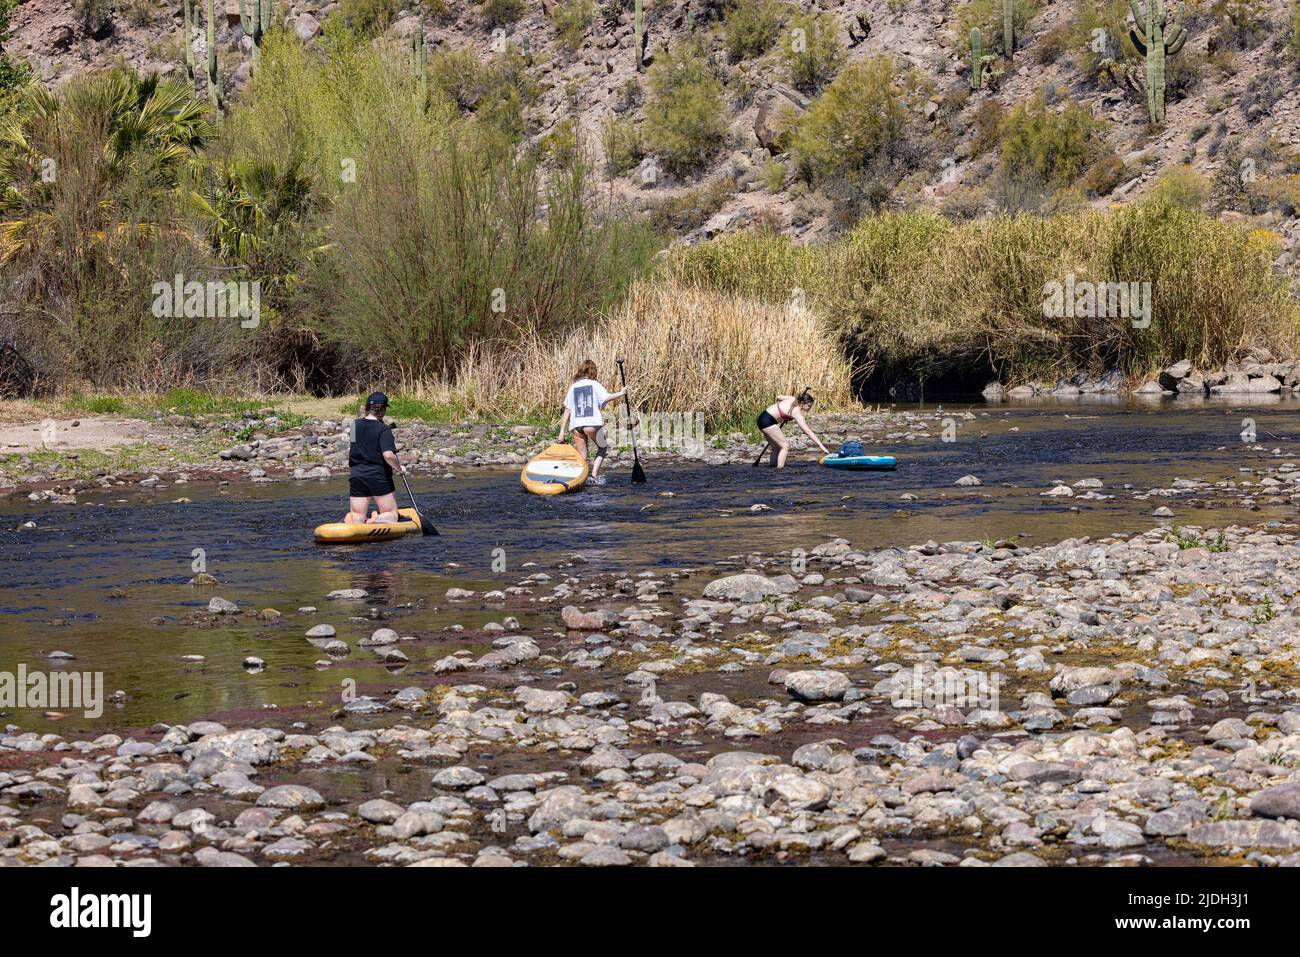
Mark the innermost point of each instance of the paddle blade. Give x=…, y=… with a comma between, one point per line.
x=638, y=474
x=426, y=527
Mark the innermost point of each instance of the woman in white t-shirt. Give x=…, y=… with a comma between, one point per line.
x=582, y=405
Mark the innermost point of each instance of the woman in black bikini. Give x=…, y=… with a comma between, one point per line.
x=787, y=408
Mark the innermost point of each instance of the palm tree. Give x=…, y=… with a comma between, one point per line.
x=248, y=205
x=70, y=157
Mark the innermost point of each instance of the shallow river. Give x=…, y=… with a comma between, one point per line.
x=107, y=580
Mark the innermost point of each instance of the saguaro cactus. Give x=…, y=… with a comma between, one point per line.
x=1155, y=39
x=1008, y=29
x=976, y=60
x=214, y=78
x=419, y=58
x=638, y=31
x=189, y=40
x=255, y=18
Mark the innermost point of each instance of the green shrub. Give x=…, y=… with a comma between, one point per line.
x=623, y=144
x=914, y=291
x=773, y=175
x=367, y=17
x=752, y=27
x=1183, y=187
x=497, y=90
x=1051, y=147
x=448, y=237
x=14, y=74
x=812, y=50
x=862, y=120
x=692, y=208
x=572, y=19
x=685, y=115
x=498, y=13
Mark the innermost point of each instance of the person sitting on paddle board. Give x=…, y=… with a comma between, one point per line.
x=787, y=408
x=372, y=456
x=582, y=405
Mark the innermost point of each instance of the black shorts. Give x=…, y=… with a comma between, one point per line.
x=369, y=486
x=765, y=420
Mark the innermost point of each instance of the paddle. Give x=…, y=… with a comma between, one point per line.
x=638, y=473
x=766, y=446
x=426, y=526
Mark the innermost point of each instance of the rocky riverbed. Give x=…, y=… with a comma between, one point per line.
x=264, y=447
x=1123, y=700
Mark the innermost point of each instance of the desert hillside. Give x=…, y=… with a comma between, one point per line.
x=485, y=188
x=1232, y=89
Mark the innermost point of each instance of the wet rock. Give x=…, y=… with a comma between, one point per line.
x=748, y=588
x=817, y=685
x=291, y=797
x=576, y=620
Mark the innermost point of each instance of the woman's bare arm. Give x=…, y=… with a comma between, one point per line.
x=797, y=414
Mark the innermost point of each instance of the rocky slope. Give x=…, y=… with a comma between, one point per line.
x=1245, y=88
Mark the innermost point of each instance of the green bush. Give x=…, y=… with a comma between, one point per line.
x=692, y=208
x=773, y=175
x=497, y=90
x=912, y=290
x=752, y=27
x=14, y=74
x=812, y=50
x=685, y=115
x=623, y=144
x=1047, y=146
x=367, y=17
x=1182, y=187
x=861, y=121
x=498, y=13
x=572, y=19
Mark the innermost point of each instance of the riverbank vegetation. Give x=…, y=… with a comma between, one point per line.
x=408, y=229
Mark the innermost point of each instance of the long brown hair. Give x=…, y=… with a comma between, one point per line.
x=585, y=371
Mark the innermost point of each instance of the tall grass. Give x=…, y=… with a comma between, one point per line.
x=687, y=349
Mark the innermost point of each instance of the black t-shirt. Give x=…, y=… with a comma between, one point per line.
x=370, y=440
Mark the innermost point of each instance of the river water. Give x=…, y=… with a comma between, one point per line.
x=107, y=580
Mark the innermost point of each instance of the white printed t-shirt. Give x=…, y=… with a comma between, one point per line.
x=584, y=399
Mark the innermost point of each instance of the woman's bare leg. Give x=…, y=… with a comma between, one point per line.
x=598, y=438
x=777, y=443
x=387, y=505
x=357, y=509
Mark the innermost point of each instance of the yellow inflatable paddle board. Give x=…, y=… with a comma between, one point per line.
x=559, y=468
x=372, y=532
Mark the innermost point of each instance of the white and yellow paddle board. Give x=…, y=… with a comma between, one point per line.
x=558, y=468
x=369, y=532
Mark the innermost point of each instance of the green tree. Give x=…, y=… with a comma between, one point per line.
x=685, y=116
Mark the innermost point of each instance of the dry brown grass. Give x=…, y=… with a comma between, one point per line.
x=686, y=349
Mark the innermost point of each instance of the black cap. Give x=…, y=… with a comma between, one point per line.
x=376, y=398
